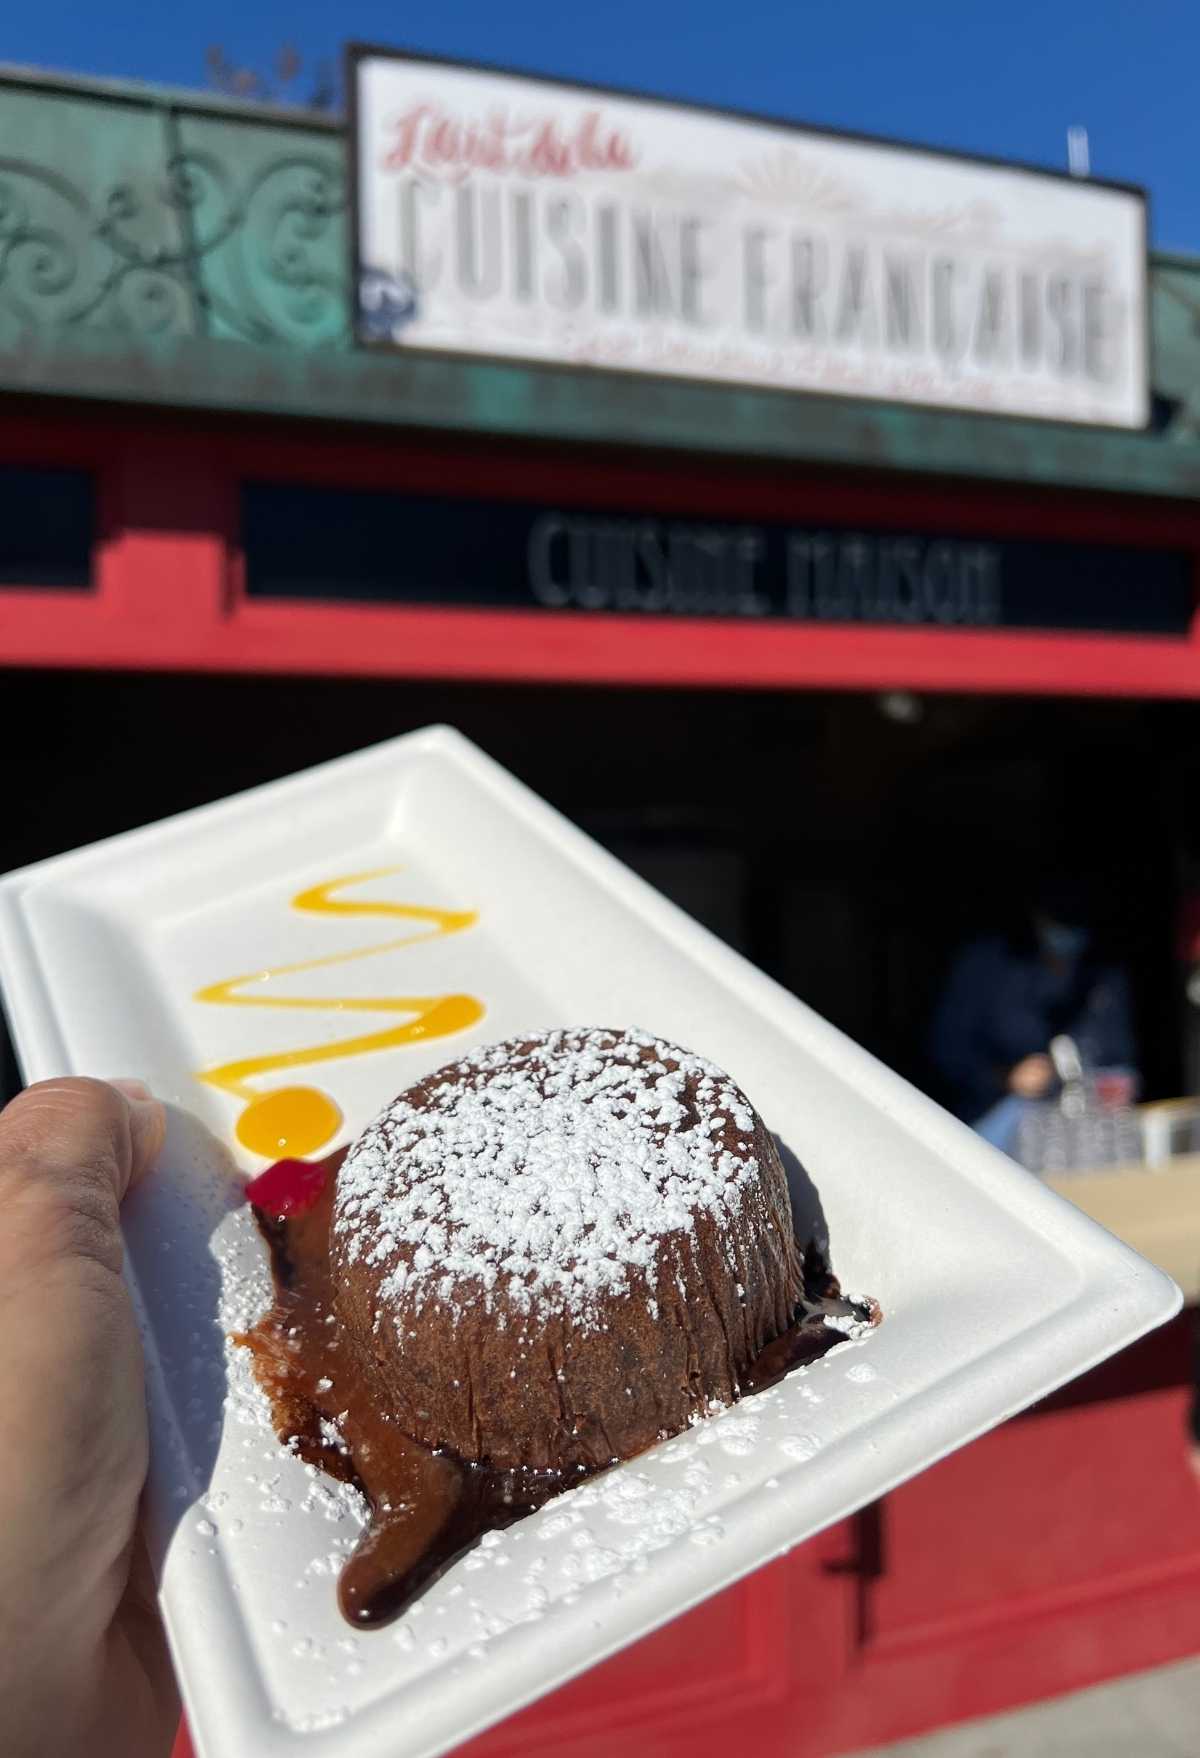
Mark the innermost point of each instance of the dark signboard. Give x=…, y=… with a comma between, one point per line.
x=368, y=546
x=47, y=527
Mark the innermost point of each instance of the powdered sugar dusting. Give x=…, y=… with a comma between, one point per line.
x=545, y=1171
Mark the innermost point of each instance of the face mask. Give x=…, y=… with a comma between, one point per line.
x=1064, y=942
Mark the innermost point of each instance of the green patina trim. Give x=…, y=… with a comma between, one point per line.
x=162, y=248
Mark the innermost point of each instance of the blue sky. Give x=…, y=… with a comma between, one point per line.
x=984, y=77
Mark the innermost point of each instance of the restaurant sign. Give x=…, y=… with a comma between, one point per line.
x=506, y=216
x=370, y=546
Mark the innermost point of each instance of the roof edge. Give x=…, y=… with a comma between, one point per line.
x=187, y=98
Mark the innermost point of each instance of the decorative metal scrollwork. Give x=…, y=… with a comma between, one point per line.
x=192, y=248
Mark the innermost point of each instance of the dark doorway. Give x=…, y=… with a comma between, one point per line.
x=848, y=844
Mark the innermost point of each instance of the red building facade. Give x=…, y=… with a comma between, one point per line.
x=183, y=420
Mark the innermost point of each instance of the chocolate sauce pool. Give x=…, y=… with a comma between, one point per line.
x=427, y=1508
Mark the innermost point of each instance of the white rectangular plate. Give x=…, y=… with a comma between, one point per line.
x=994, y=1290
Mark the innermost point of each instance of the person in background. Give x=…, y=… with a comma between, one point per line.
x=1188, y=953
x=1009, y=996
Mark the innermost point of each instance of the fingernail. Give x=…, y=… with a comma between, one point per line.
x=147, y=1125
x=132, y=1089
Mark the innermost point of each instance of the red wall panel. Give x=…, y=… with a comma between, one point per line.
x=168, y=575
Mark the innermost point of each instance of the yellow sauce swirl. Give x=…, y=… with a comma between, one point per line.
x=295, y=1121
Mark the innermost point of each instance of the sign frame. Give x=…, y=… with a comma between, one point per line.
x=356, y=52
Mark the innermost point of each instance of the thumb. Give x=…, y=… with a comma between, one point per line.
x=80, y=1145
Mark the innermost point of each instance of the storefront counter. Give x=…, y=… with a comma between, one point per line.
x=1155, y=1209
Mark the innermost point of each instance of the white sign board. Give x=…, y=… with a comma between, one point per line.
x=513, y=217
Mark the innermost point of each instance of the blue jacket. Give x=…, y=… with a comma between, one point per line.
x=1002, y=1003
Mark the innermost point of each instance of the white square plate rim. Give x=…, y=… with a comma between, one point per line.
x=1140, y=1297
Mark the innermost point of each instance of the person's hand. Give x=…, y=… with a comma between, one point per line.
x=84, y=1671
x=1032, y=1077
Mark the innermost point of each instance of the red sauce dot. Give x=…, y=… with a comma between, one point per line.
x=289, y=1187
